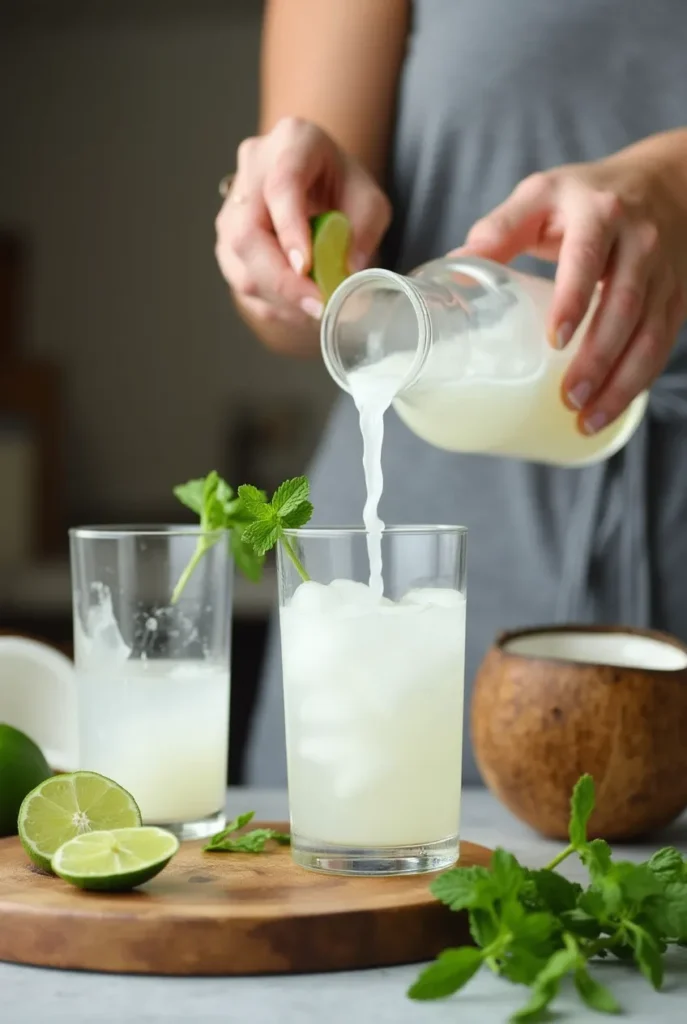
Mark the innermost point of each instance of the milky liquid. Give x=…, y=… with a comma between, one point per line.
x=159, y=727
x=373, y=395
x=373, y=697
x=491, y=397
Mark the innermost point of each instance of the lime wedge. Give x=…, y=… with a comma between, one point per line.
x=331, y=236
x=116, y=860
x=67, y=806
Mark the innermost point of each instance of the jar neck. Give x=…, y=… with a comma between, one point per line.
x=372, y=316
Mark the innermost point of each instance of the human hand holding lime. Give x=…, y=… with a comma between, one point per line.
x=263, y=237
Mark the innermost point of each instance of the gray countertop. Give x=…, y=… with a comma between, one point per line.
x=29, y=994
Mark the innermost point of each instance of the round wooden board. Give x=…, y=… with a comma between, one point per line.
x=225, y=914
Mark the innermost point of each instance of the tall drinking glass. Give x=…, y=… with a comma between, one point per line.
x=153, y=674
x=373, y=695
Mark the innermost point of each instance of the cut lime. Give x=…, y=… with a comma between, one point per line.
x=22, y=766
x=116, y=860
x=67, y=806
x=331, y=236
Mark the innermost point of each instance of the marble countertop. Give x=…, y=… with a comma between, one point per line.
x=377, y=996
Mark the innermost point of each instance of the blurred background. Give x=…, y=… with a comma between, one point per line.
x=123, y=367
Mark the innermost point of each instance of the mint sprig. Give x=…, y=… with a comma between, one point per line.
x=219, y=509
x=289, y=509
x=536, y=928
x=254, y=841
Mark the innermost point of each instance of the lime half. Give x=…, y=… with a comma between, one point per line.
x=116, y=860
x=331, y=236
x=67, y=806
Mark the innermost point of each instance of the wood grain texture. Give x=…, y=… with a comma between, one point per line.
x=225, y=914
x=539, y=723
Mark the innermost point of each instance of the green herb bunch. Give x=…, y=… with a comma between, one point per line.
x=254, y=524
x=535, y=928
x=227, y=841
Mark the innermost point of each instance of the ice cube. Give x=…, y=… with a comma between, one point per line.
x=353, y=593
x=326, y=750
x=324, y=708
x=362, y=768
x=101, y=640
x=314, y=597
x=434, y=597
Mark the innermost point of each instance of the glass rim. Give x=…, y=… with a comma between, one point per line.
x=112, y=532
x=350, y=285
x=414, y=530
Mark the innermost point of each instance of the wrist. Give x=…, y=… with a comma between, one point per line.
x=658, y=166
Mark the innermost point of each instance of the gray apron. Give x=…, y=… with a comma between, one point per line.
x=493, y=90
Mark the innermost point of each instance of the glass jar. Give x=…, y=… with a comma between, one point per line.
x=464, y=340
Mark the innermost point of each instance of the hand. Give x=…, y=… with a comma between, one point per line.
x=263, y=235
x=613, y=222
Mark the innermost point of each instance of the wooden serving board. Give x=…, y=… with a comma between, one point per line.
x=225, y=914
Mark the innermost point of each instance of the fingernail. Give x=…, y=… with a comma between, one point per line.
x=297, y=260
x=563, y=335
x=358, y=261
x=595, y=422
x=579, y=395
x=313, y=307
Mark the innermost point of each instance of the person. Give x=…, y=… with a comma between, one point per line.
x=552, y=135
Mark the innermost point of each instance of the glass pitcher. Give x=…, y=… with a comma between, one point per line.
x=464, y=340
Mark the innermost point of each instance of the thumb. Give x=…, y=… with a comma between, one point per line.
x=512, y=228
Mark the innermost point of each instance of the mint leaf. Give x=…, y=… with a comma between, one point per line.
x=581, y=807
x=220, y=511
x=592, y=902
x=554, y=891
x=246, y=558
x=463, y=888
x=484, y=926
x=298, y=517
x=536, y=1006
x=190, y=494
x=536, y=929
x=582, y=924
x=254, y=841
x=596, y=857
x=261, y=536
x=637, y=882
x=506, y=873
x=450, y=972
x=668, y=912
x=289, y=495
x=254, y=502
x=240, y=821
x=267, y=521
x=647, y=954
x=668, y=865
x=594, y=994
x=547, y=982
x=522, y=966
